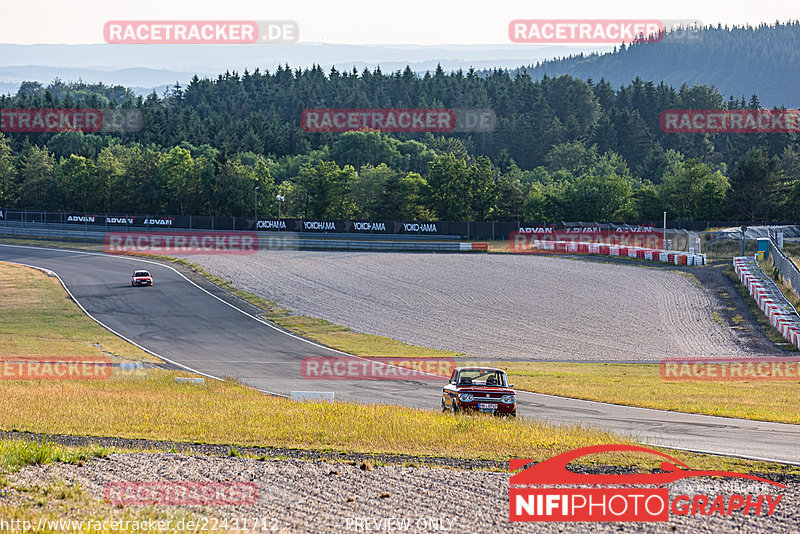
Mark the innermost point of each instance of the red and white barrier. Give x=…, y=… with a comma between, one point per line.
x=780, y=315
x=675, y=258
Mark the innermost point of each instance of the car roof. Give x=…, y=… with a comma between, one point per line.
x=478, y=368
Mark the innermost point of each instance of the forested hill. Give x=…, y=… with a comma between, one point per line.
x=739, y=61
x=562, y=149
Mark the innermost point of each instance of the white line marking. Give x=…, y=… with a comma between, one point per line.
x=726, y=454
x=657, y=411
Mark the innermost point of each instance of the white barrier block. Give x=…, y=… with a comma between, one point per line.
x=189, y=380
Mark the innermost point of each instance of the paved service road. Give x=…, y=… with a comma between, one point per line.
x=186, y=324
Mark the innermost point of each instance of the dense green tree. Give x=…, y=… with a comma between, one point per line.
x=37, y=186
x=324, y=190
x=449, y=185
x=755, y=181
x=7, y=174
x=178, y=170
x=411, y=199
x=690, y=190
x=360, y=148
x=574, y=157
x=369, y=188
x=80, y=183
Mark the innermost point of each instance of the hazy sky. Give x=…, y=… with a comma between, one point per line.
x=368, y=21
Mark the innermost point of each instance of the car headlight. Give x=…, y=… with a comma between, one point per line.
x=466, y=397
x=509, y=399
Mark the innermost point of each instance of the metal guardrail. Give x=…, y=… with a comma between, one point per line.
x=266, y=241
x=770, y=299
x=786, y=267
x=90, y=229
x=776, y=292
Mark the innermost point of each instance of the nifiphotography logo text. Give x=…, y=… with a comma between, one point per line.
x=548, y=491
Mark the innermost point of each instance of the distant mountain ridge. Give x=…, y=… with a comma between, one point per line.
x=146, y=67
x=739, y=62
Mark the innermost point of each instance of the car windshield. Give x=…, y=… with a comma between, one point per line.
x=141, y=273
x=482, y=377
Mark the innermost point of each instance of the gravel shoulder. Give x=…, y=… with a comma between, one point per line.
x=502, y=306
x=321, y=497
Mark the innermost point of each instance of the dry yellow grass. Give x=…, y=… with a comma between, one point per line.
x=148, y=404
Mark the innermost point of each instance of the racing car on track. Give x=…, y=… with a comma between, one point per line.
x=479, y=389
x=141, y=278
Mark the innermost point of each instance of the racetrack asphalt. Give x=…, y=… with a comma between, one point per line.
x=195, y=328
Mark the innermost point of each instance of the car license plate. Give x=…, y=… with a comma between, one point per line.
x=487, y=406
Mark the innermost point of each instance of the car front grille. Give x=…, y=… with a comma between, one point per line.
x=487, y=397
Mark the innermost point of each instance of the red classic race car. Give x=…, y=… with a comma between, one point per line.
x=141, y=278
x=479, y=389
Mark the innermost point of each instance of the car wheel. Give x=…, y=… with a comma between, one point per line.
x=454, y=408
x=444, y=406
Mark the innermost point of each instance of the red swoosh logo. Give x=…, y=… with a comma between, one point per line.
x=553, y=471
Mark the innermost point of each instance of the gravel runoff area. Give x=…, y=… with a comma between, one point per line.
x=321, y=497
x=495, y=306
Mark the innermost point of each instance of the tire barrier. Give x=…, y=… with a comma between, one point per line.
x=575, y=247
x=780, y=312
